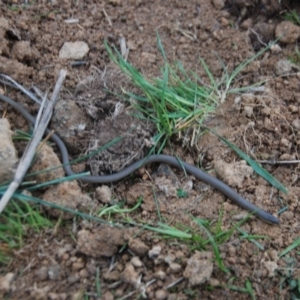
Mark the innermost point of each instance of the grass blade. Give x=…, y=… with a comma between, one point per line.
x=256, y=167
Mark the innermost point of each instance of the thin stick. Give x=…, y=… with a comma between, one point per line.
x=107, y=17
x=16, y=85
x=41, y=125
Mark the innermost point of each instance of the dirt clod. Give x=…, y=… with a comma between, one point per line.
x=287, y=32
x=67, y=194
x=138, y=247
x=199, y=268
x=104, y=194
x=104, y=241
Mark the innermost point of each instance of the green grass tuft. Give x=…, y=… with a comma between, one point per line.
x=19, y=219
x=292, y=16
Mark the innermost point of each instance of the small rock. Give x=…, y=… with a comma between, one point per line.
x=77, y=266
x=73, y=279
x=199, y=268
x=112, y=276
x=283, y=67
x=74, y=50
x=53, y=296
x=91, y=267
x=136, y=262
x=246, y=24
x=271, y=266
x=5, y=283
x=214, y=282
x=148, y=58
x=293, y=108
x=161, y=275
x=248, y=110
x=232, y=251
x=170, y=258
x=161, y=294
x=224, y=22
x=103, y=194
x=130, y=275
x=41, y=273
x=54, y=272
x=174, y=267
x=188, y=186
x=167, y=186
x=218, y=4
x=273, y=254
x=159, y=260
x=84, y=273
x=138, y=247
x=275, y=49
x=287, y=32
x=154, y=252
x=108, y=296
x=8, y=152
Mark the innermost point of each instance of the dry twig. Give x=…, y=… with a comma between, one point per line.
x=44, y=116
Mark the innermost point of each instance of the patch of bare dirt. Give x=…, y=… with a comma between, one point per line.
x=68, y=263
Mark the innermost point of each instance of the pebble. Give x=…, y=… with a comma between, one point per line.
x=174, y=267
x=54, y=272
x=77, y=266
x=84, y=273
x=112, y=276
x=231, y=260
x=74, y=50
x=161, y=294
x=138, y=247
x=218, y=4
x=160, y=275
x=136, y=262
x=73, y=279
x=231, y=251
x=103, y=194
x=42, y=273
x=283, y=67
x=5, y=282
x=154, y=252
x=170, y=258
x=108, y=296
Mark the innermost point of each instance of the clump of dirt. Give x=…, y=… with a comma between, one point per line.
x=112, y=119
x=136, y=141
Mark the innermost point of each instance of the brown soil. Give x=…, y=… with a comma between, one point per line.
x=64, y=263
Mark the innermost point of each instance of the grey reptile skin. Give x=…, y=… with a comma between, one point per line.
x=201, y=175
